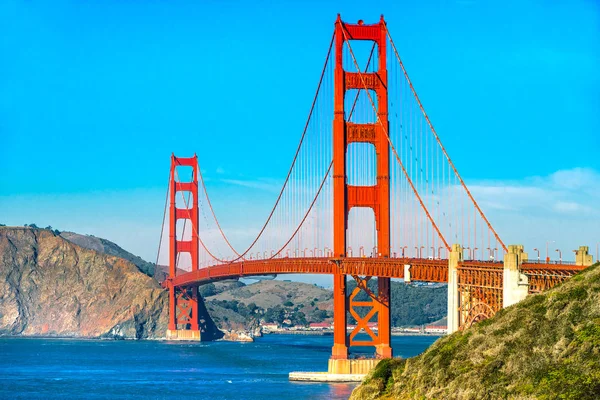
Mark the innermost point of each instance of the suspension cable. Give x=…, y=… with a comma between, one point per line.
x=390, y=141
x=240, y=256
x=414, y=92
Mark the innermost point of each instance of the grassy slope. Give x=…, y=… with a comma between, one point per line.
x=545, y=347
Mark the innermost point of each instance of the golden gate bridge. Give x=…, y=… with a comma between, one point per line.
x=371, y=192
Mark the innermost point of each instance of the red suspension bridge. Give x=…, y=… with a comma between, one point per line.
x=371, y=192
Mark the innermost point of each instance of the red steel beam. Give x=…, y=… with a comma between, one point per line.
x=421, y=269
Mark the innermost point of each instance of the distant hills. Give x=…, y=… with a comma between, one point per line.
x=284, y=301
x=545, y=347
x=66, y=275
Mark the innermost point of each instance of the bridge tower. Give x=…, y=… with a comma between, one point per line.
x=184, y=321
x=346, y=196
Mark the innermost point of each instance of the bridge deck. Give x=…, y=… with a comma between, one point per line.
x=426, y=270
x=421, y=269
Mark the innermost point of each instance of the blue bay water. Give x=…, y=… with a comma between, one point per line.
x=99, y=369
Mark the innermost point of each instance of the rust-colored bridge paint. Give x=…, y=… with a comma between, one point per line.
x=480, y=283
x=421, y=269
x=183, y=302
x=345, y=196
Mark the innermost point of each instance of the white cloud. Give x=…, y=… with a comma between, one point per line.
x=562, y=207
x=261, y=183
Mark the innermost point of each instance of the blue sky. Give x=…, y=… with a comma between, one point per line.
x=94, y=97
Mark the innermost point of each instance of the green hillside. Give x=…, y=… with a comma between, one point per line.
x=545, y=347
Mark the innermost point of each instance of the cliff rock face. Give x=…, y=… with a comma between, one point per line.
x=52, y=287
x=107, y=247
x=545, y=347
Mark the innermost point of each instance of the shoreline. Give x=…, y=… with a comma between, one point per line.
x=161, y=339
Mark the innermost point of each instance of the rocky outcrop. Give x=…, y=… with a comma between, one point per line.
x=52, y=287
x=107, y=247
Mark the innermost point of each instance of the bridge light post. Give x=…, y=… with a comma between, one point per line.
x=469, y=250
x=440, y=252
x=559, y=255
x=421, y=251
x=417, y=252
x=287, y=253
x=374, y=252
x=432, y=252
x=474, y=250
x=404, y=248
x=361, y=251
x=349, y=251
x=538, y=253
x=304, y=252
x=316, y=251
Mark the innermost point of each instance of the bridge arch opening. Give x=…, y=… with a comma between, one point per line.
x=361, y=235
x=184, y=199
x=366, y=53
x=184, y=173
x=358, y=106
x=361, y=164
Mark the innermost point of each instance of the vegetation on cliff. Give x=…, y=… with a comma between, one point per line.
x=545, y=347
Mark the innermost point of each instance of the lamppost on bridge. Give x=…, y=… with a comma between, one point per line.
x=492, y=252
x=349, y=251
x=417, y=252
x=559, y=255
x=538, y=253
x=547, y=251
x=374, y=253
x=440, y=252
x=474, y=249
x=361, y=251
x=469, y=249
x=404, y=248
x=304, y=252
x=421, y=251
x=432, y=252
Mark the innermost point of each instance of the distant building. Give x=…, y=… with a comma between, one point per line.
x=319, y=325
x=436, y=329
x=269, y=326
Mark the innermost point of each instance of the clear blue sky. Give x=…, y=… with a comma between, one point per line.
x=95, y=95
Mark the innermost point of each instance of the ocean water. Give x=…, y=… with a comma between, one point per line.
x=102, y=369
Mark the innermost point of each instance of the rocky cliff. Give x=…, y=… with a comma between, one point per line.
x=52, y=287
x=545, y=347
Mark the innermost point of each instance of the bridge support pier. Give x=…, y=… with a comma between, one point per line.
x=582, y=256
x=515, y=285
x=384, y=322
x=340, y=338
x=455, y=256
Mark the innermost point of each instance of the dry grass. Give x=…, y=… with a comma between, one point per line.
x=546, y=347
